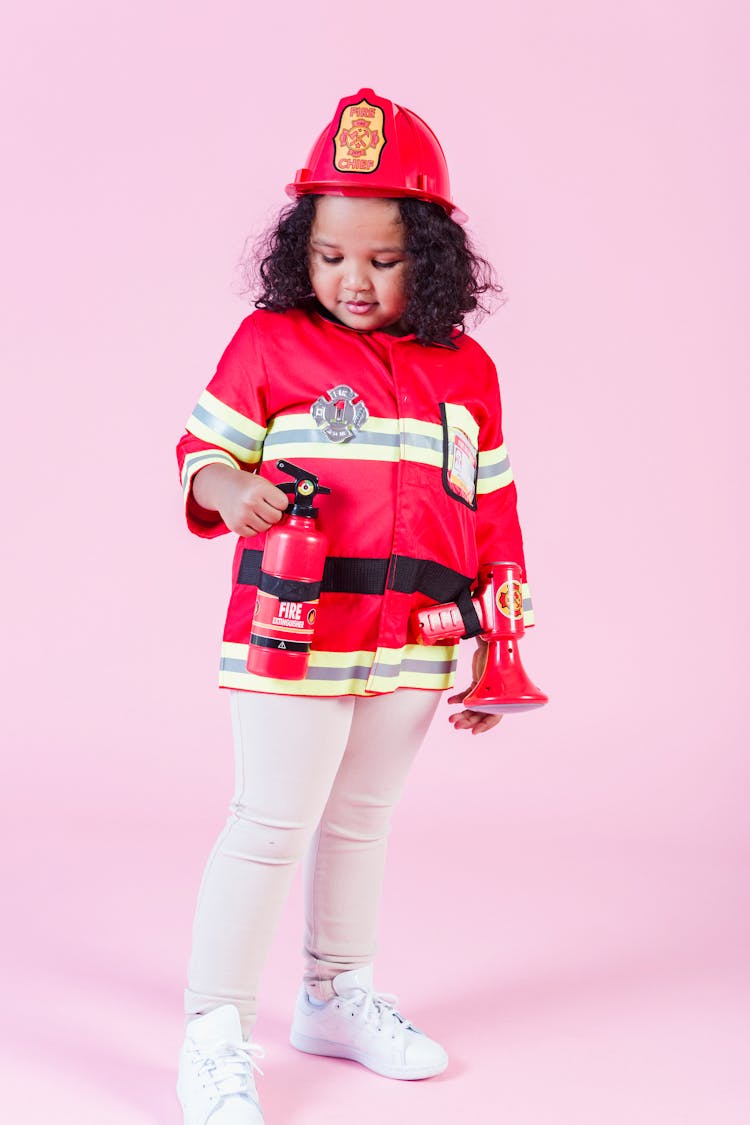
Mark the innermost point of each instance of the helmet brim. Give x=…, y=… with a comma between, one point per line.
x=296, y=191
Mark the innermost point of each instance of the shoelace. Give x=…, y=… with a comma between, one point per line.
x=225, y=1064
x=380, y=1008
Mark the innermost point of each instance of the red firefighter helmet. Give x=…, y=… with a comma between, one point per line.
x=373, y=147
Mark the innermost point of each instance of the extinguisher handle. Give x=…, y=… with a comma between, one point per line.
x=305, y=488
x=299, y=475
x=290, y=489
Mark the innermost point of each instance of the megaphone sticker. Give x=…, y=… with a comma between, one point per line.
x=509, y=599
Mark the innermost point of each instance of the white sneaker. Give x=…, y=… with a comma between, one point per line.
x=364, y=1025
x=215, y=1083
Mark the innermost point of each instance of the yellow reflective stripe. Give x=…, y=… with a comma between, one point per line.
x=380, y=439
x=348, y=673
x=494, y=469
x=412, y=679
x=427, y=666
x=198, y=460
x=528, y=607
x=246, y=681
x=424, y=453
x=206, y=433
x=344, y=451
x=282, y=423
x=232, y=417
x=430, y=429
x=215, y=422
x=233, y=651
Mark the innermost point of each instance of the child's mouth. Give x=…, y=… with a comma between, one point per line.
x=359, y=307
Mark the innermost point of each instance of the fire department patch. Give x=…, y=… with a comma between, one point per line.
x=338, y=416
x=359, y=139
x=462, y=464
x=509, y=599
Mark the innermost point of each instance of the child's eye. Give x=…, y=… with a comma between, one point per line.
x=386, y=265
x=330, y=261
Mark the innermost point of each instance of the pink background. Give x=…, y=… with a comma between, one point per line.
x=567, y=898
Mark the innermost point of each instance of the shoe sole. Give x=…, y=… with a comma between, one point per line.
x=190, y=1115
x=342, y=1051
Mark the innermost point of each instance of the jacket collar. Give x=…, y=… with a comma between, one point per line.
x=315, y=307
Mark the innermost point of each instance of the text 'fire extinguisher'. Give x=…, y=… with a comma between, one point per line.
x=291, y=571
x=498, y=605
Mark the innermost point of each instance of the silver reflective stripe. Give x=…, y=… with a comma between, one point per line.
x=208, y=455
x=436, y=667
x=422, y=441
x=195, y=460
x=495, y=468
x=358, y=672
x=527, y=604
x=441, y=666
x=218, y=426
x=317, y=437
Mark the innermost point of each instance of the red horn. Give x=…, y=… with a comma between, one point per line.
x=504, y=687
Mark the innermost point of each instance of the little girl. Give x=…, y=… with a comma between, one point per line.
x=356, y=367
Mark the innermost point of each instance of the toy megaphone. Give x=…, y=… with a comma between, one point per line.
x=498, y=603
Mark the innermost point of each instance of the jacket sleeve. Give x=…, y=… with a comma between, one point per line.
x=499, y=537
x=227, y=425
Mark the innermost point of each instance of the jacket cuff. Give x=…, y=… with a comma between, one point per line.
x=528, y=606
x=202, y=521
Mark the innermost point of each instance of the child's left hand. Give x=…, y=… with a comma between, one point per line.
x=475, y=721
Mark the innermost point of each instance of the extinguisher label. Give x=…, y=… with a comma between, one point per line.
x=280, y=624
x=290, y=615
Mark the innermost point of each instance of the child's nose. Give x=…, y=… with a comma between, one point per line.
x=356, y=279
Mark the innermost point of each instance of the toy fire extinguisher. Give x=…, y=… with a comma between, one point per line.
x=504, y=686
x=291, y=571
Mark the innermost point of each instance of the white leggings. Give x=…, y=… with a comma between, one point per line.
x=314, y=776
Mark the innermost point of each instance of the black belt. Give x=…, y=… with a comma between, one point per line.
x=370, y=576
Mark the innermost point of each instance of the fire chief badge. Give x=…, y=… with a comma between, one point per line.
x=338, y=416
x=359, y=139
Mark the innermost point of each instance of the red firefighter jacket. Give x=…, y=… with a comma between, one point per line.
x=409, y=440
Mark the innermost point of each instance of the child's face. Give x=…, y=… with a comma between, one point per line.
x=357, y=261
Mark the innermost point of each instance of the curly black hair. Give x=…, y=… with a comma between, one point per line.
x=446, y=278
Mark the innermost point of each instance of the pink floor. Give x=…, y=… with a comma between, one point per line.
x=575, y=979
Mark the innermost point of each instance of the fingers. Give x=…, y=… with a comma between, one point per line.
x=274, y=497
x=258, y=508
x=475, y=721
x=268, y=509
x=258, y=521
x=266, y=503
x=254, y=525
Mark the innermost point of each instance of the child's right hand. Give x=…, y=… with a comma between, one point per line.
x=247, y=503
